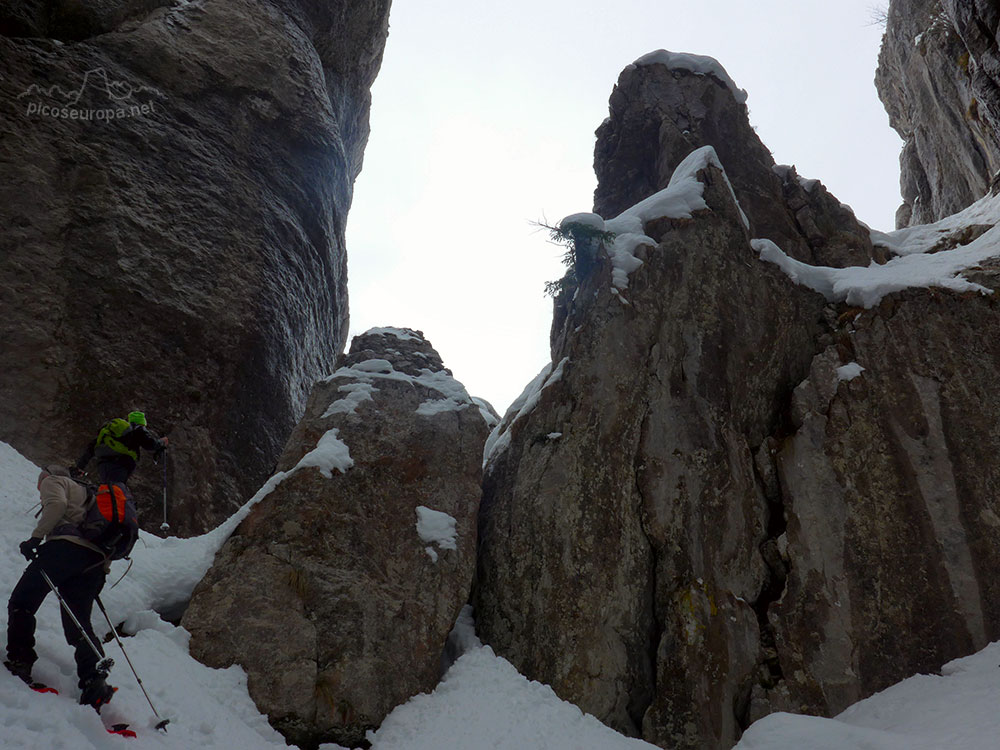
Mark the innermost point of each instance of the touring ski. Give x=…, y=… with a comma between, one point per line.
x=23, y=672
x=121, y=730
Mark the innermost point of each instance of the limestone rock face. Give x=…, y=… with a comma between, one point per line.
x=336, y=594
x=977, y=23
x=175, y=183
x=704, y=510
x=622, y=512
x=890, y=494
x=939, y=86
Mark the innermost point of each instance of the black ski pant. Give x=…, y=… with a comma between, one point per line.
x=78, y=574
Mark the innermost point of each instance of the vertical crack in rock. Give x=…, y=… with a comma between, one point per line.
x=641, y=699
x=769, y=672
x=769, y=693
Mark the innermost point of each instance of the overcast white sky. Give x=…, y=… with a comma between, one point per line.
x=483, y=120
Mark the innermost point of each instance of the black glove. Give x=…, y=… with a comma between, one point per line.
x=29, y=548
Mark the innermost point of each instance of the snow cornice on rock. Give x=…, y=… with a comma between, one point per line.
x=697, y=64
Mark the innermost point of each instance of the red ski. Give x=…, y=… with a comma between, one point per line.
x=121, y=730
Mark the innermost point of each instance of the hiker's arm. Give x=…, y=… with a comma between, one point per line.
x=82, y=461
x=53, y=507
x=150, y=442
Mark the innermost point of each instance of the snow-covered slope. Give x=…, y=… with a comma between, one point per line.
x=956, y=710
x=207, y=707
x=482, y=703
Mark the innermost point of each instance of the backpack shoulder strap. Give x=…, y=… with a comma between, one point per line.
x=91, y=490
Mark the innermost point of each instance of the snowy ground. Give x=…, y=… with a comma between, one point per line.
x=482, y=703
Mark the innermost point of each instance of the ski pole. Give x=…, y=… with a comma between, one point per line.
x=165, y=527
x=104, y=663
x=162, y=724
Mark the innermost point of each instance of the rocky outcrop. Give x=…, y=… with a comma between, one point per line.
x=939, y=87
x=663, y=108
x=176, y=181
x=336, y=594
x=729, y=494
x=622, y=513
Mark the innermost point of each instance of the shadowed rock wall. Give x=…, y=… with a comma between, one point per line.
x=174, y=185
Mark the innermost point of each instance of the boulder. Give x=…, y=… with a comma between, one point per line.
x=940, y=97
x=336, y=594
x=177, y=177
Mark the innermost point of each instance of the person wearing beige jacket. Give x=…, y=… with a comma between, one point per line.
x=76, y=568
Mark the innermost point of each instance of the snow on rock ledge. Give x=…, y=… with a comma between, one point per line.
x=499, y=438
x=679, y=200
x=423, y=371
x=923, y=259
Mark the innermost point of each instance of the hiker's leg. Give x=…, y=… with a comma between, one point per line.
x=79, y=594
x=25, y=599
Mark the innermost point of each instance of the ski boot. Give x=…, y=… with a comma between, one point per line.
x=20, y=669
x=96, y=693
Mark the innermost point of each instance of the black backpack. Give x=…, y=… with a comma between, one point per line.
x=110, y=520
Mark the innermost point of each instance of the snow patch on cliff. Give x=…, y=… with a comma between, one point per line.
x=330, y=453
x=403, y=334
x=866, y=286
x=919, y=263
x=436, y=527
x=357, y=393
x=499, y=439
x=451, y=394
